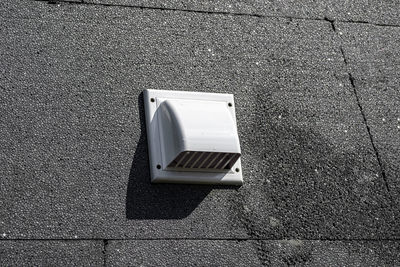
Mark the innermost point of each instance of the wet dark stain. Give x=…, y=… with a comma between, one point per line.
x=297, y=258
x=300, y=185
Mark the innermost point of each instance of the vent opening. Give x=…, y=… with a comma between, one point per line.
x=204, y=160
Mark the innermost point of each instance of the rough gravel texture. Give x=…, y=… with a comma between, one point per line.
x=51, y=253
x=317, y=107
x=373, y=56
x=270, y=253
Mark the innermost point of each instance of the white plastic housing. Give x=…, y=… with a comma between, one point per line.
x=192, y=137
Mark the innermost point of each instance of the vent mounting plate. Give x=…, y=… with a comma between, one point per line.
x=192, y=138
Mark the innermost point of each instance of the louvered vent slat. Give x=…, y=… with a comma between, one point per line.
x=200, y=156
x=204, y=160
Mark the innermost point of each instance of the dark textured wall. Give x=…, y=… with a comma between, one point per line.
x=317, y=99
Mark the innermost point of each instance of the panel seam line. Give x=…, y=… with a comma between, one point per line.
x=82, y=2
x=352, y=83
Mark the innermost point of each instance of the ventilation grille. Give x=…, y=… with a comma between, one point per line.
x=204, y=160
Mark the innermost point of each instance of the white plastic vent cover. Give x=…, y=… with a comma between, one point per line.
x=192, y=138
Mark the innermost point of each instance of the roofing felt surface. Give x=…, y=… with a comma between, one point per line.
x=316, y=89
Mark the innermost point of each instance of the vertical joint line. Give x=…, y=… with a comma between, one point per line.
x=332, y=22
x=345, y=62
x=105, y=244
x=351, y=79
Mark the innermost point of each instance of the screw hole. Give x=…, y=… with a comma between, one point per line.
x=230, y=104
x=237, y=170
x=158, y=166
x=152, y=99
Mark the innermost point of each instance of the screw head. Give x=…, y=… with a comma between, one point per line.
x=158, y=166
x=229, y=104
x=237, y=170
x=152, y=100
